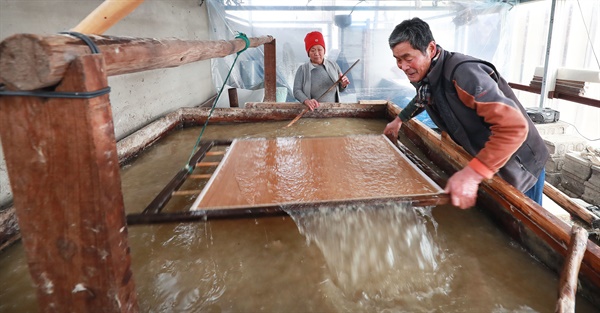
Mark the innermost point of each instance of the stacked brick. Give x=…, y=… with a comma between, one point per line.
x=591, y=192
x=558, y=144
x=575, y=172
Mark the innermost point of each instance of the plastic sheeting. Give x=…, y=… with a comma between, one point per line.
x=352, y=30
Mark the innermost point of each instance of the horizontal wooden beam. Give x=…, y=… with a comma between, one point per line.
x=196, y=116
x=29, y=61
x=207, y=214
x=570, y=206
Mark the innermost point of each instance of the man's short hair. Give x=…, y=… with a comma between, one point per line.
x=415, y=31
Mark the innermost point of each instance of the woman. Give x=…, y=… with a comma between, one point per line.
x=315, y=77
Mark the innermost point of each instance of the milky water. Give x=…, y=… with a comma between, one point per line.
x=384, y=258
x=378, y=257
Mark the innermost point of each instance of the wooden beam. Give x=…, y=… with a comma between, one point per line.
x=570, y=206
x=107, y=14
x=270, y=72
x=233, y=98
x=200, y=176
x=186, y=192
x=278, y=112
x=29, y=62
x=63, y=168
x=277, y=210
x=207, y=164
x=568, y=277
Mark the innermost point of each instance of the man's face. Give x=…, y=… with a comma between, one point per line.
x=316, y=54
x=414, y=63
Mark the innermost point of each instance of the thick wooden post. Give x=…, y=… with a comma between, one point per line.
x=568, y=277
x=64, y=172
x=233, y=97
x=270, y=73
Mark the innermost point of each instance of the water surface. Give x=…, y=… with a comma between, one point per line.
x=387, y=258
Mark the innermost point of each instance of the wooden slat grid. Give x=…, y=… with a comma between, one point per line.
x=172, y=188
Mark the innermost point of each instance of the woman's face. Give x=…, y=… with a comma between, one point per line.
x=316, y=54
x=412, y=62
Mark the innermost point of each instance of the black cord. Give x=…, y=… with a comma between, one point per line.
x=56, y=94
x=85, y=39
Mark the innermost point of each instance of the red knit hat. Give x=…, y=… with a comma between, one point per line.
x=313, y=38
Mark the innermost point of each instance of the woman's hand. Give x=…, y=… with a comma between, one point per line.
x=311, y=104
x=344, y=80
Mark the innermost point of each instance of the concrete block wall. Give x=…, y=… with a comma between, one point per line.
x=567, y=168
x=591, y=191
x=552, y=134
x=575, y=172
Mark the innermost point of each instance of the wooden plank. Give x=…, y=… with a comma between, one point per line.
x=270, y=63
x=207, y=164
x=258, y=172
x=29, y=62
x=570, y=206
x=197, y=116
x=186, y=192
x=233, y=98
x=375, y=105
x=210, y=214
x=200, y=176
x=568, y=276
x=62, y=163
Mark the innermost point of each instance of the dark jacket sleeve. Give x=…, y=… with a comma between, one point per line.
x=411, y=110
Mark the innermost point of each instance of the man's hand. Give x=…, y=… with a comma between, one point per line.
x=392, y=128
x=463, y=186
x=311, y=104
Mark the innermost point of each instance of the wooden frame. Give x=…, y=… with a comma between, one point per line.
x=66, y=184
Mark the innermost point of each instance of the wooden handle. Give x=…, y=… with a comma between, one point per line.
x=106, y=15
x=297, y=117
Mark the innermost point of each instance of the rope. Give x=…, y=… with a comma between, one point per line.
x=188, y=167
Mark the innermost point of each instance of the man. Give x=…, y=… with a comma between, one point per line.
x=468, y=99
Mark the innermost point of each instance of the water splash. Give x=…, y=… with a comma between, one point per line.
x=379, y=256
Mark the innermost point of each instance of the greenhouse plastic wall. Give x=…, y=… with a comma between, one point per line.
x=352, y=30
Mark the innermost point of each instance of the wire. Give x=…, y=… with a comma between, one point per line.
x=588, y=34
x=355, y=6
x=584, y=137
